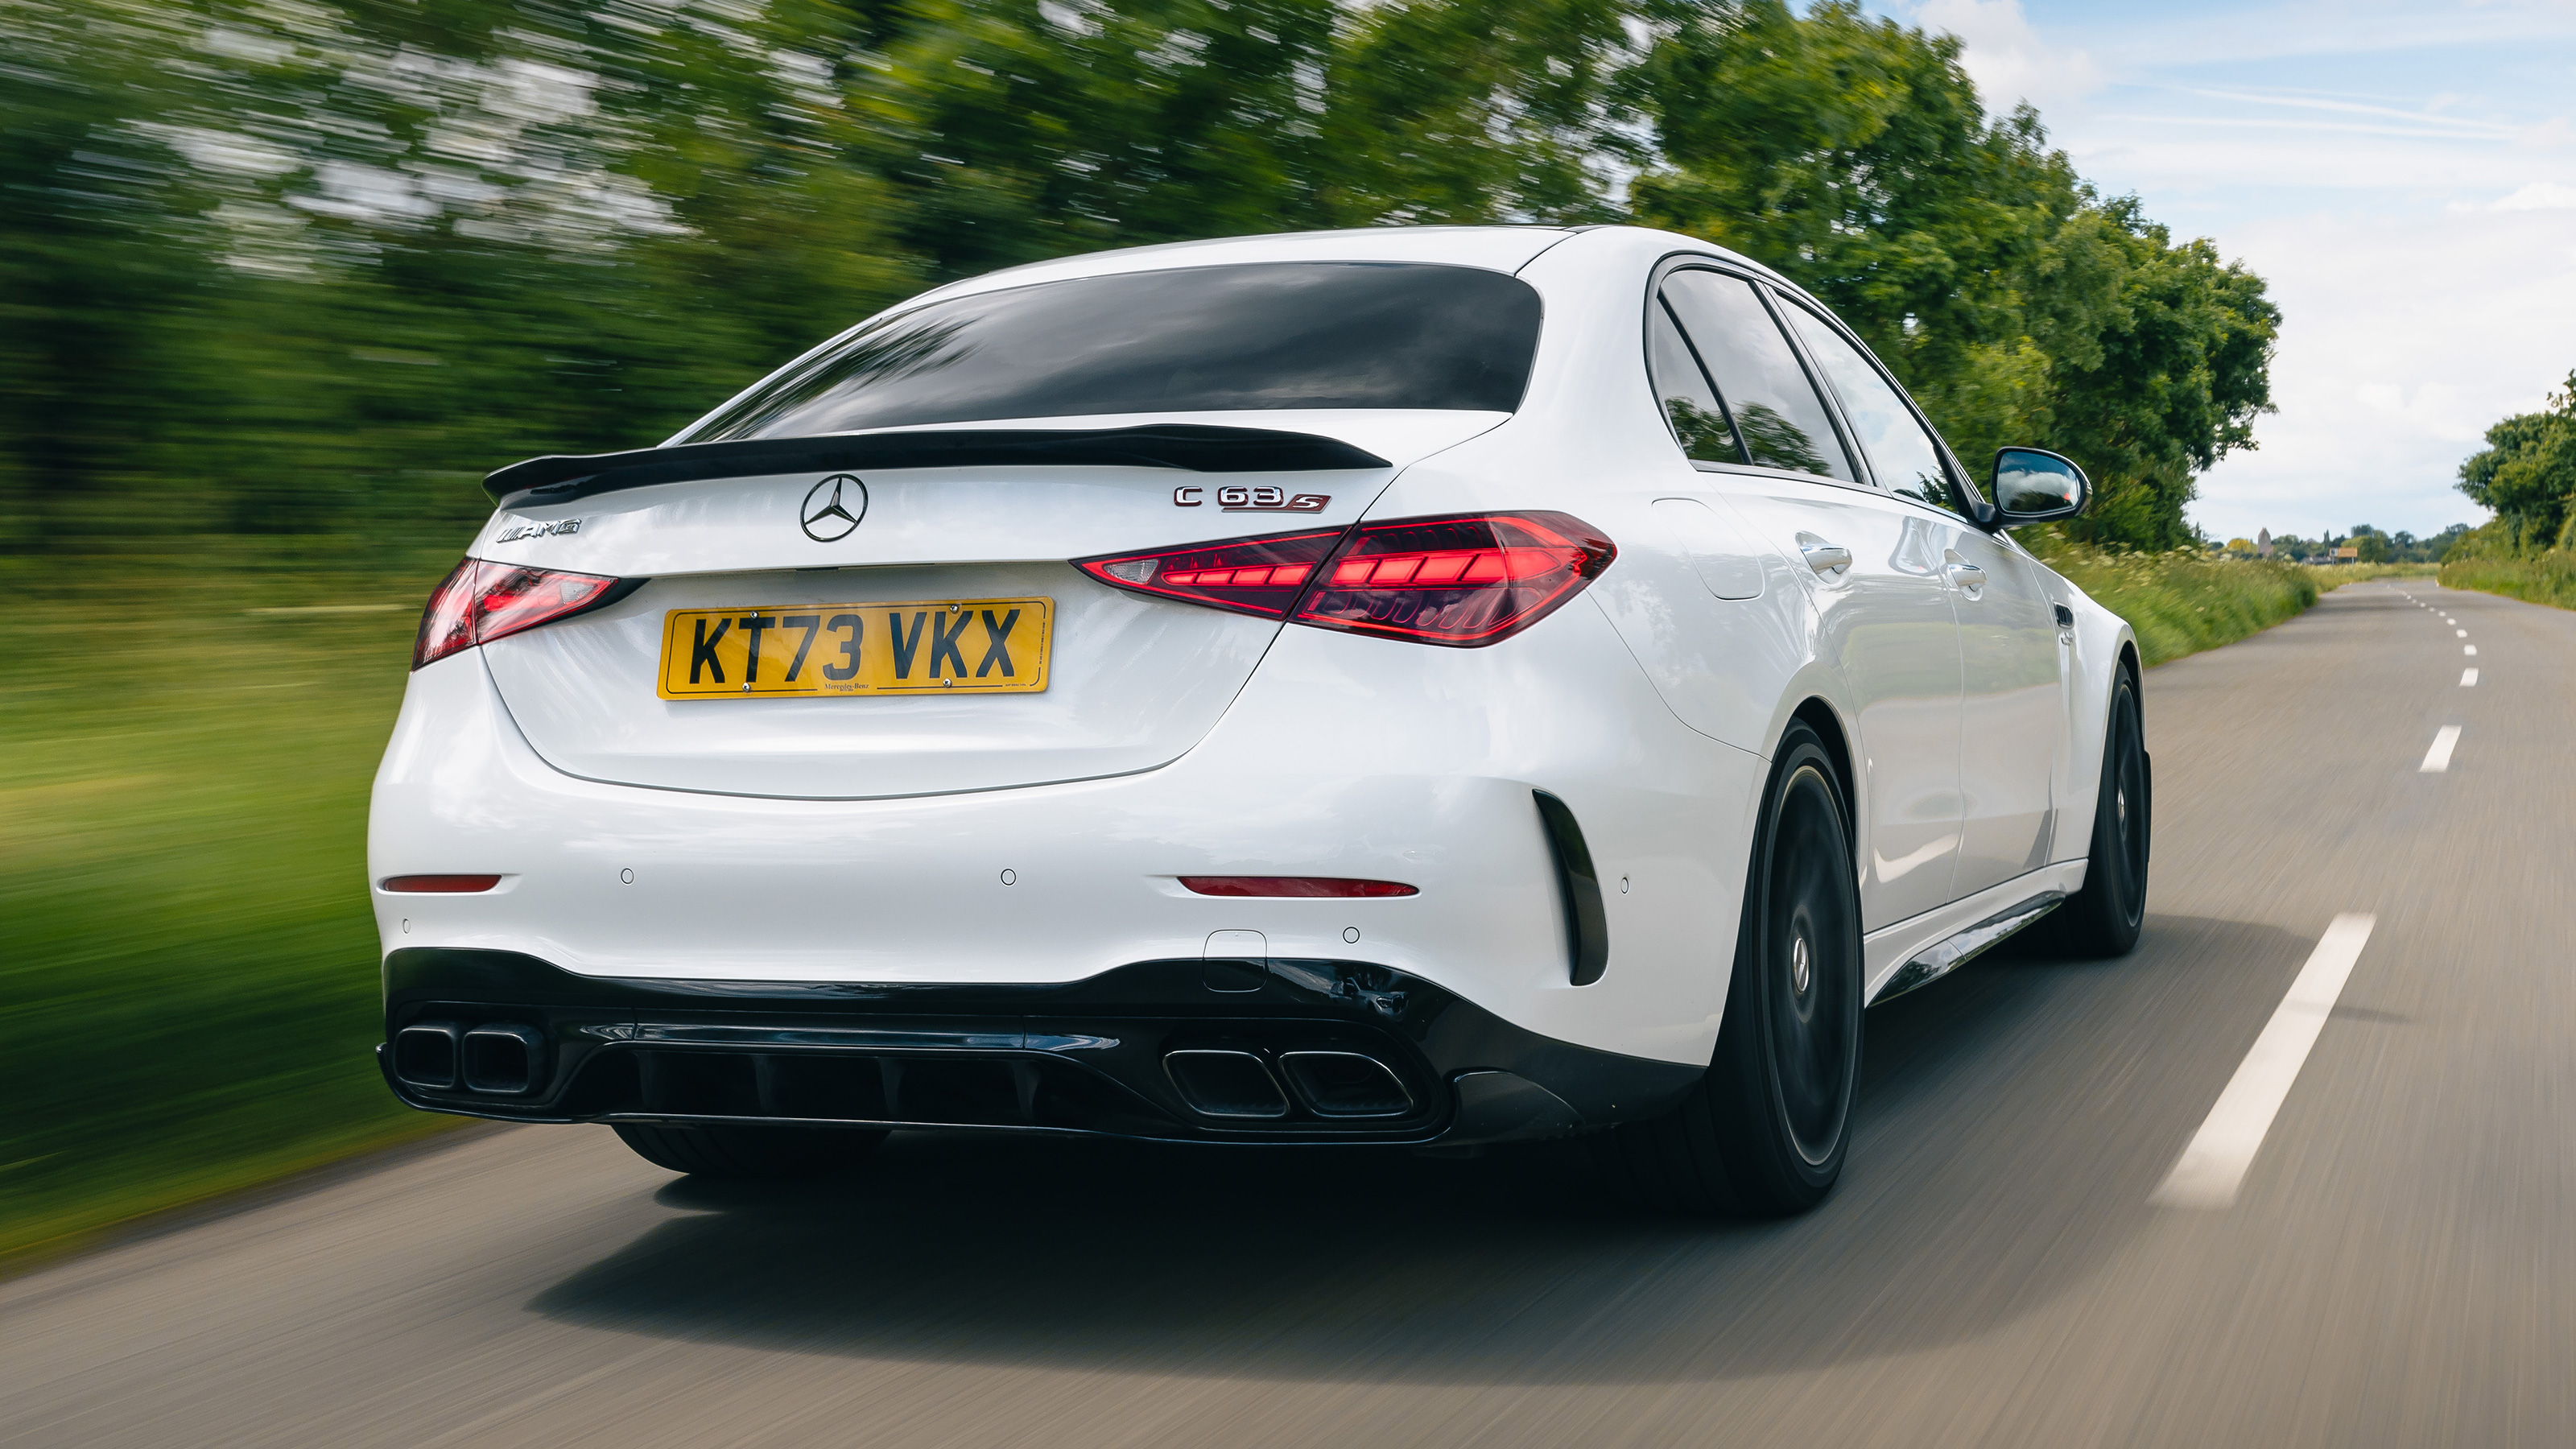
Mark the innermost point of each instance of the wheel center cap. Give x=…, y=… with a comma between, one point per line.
x=1799, y=973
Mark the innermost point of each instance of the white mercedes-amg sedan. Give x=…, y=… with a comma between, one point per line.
x=1429, y=686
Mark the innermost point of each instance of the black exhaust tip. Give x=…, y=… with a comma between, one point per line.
x=425, y=1053
x=1345, y=1084
x=1225, y=1083
x=502, y=1057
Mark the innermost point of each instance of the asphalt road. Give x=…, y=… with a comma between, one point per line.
x=2398, y=1266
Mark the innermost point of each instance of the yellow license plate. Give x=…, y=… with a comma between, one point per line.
x=950, y=646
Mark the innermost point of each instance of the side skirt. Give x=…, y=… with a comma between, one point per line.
x=1953, y=952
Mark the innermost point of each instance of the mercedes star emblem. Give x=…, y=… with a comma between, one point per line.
x=833, y=508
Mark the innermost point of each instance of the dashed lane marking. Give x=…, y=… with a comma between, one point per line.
x=2469, y=649
x=2438, y=759
x=2463, y=633
x=2213, y=1166
x=2468, y=677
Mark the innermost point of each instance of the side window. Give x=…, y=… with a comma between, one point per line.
x=1901, y=453
x=1698, y=418
x=1783, y=422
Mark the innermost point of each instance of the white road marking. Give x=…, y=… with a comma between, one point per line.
x=2463, y=633
x=2438, y=759
x=2469, y=649
x=2213, y=1166
x=2468, y=677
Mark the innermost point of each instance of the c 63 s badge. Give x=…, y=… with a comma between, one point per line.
x=1242, y=498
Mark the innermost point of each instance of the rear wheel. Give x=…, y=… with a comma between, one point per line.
x=751, y=1152
x=1764, y=1133
x=2104, y=918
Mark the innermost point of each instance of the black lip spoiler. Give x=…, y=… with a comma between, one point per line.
x=1191, y=447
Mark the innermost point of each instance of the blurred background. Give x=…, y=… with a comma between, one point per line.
x=280, y=281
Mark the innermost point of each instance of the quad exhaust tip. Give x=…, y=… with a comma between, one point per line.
x=498, y=1058
x=1346, y=1084
x=1224, y=1082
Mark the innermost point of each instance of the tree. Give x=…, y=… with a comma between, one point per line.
x=1853, y=156
x=2527, y=473
x=312, y=266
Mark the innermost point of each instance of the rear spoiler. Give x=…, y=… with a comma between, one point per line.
x=1190, y=447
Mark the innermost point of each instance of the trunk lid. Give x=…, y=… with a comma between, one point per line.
x=1131, y=682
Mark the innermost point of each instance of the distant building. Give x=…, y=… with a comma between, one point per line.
x=2262, y=543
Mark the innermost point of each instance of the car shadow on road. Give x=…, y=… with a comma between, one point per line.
x=2013, y=1120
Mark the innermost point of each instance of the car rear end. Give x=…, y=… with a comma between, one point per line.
x=1061, y=764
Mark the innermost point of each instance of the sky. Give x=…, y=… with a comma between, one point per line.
x=2402, y=174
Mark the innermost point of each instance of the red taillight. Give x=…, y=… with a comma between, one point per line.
x=441, y=885
x=1312, y=886
x=1463, y=580
x=480, y=602
x=1248, y=575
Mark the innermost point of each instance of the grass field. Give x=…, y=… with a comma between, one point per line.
x=2184, y=601
x=188, y=1000
x=2548, y=579
x=188, y=995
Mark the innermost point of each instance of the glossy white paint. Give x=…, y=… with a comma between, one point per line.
x=868, y=839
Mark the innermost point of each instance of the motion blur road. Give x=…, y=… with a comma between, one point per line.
x=2398, y=1267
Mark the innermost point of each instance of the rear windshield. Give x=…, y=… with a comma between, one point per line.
x=1200, y=339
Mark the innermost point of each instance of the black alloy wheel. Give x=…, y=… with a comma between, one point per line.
x=751, y=1152
x=1765, y=1132
x=2104, y=918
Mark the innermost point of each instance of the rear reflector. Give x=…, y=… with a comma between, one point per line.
x=1462, y=580
x=441, y=885
x=1294, y=885
x=479, y=602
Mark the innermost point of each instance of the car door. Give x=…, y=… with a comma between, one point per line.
x=2010, y=735
x=1870, y=563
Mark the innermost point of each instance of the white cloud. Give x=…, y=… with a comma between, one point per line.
x=2538, y=196
x=2006, y=57
x=2402, y=339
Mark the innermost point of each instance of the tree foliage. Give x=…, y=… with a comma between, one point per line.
x=2527, y=474
x=300, y=264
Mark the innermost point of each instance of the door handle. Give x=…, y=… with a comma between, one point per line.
x=1826, y=558
x=1968, y=577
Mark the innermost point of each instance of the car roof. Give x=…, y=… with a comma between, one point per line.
x=1495, y=248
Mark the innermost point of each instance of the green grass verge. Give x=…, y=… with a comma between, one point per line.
x=2549, y=579
x=2184, y=601
x=188, y=1001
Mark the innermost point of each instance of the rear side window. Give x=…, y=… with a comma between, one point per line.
x=1699, y=420
x=1197, y=339
x=1781, y=419
x=1900, y=452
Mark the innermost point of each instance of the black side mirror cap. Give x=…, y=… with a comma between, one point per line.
x=2033, y=485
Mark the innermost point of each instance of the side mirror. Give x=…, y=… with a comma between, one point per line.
x=2033, y=485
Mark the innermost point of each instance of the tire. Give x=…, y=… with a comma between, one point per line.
x=751, y=1152
x=2104, y=918
x=1765, y=1131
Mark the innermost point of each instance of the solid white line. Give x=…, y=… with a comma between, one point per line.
x=2213, y=1166
x=2438, y=758
x=2469, y=649
x=2468, y=677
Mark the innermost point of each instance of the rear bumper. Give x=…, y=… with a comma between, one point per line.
x=1090, y=1056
